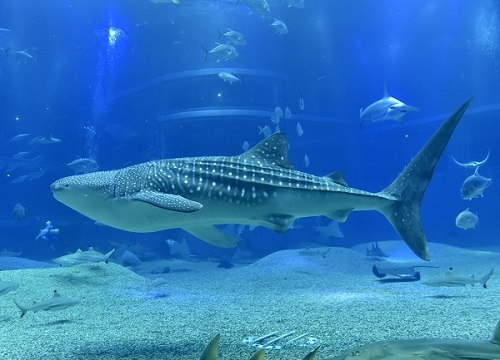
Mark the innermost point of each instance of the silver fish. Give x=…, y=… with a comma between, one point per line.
x=474, y=186
x=279, y=27
x=257, y=188
x=466, y=220
x=222, y=52
x=228, y=77
x=234, y=37
x=300, y=131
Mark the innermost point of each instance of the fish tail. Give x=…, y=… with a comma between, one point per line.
x=220, y=34
x=206, y=52
x=407, y=190
x=22, y=308
x=485, y=278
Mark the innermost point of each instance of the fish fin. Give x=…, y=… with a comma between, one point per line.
x=312, y=354
x=495, y=338
x=338, y=178
x=23, y=309
x=167, y=201
x=211, y=351
x=339, y=215
x=407, y=190
x=272, y=150
x=485, y=278
x=259, y=355
x=279, y=222
x=212, y=235
x=376, y=272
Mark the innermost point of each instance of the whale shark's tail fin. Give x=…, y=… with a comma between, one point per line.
x=409, y=187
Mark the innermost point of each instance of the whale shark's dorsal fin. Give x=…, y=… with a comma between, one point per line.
x=272, y=150
x=495, y=338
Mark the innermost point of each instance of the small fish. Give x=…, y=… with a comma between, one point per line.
x=474, y=186
x=44, y=140
x=4, y=30
x=83, y=166
x=222, y=52
x=19, y=137
x=472, y=164
x=301, y=103
x=278, y=112
x=279, y=27
x=260, y=8
x=450, y=280
x=306, y=160
x=266, y=131
x=466, y=220
x=275, y=119
x=7, y=286
x=387, y=108
x=83, y=257
x=300, y=131
x=23, y=57
x=230, y=78
x=288, y=113
x=234, y=37
x=19, y=212
x=245, y=146
x=299, y=4
x=56, y=302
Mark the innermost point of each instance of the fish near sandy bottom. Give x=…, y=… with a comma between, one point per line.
x=256, y=188
x=56, y=302
x=427, y=349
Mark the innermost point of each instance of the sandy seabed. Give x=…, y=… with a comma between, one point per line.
x=332, y=296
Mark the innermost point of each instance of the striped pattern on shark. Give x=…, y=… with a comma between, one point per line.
x=257, y=188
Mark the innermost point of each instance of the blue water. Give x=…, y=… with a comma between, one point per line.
x=111, y=80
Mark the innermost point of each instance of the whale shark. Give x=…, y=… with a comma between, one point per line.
x=387, y=108
x=256, y=188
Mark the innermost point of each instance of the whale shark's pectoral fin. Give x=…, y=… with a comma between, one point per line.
x=212, y=235
x=167, y=201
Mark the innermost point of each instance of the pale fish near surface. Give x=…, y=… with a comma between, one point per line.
x=466, y=220
x=256, y=188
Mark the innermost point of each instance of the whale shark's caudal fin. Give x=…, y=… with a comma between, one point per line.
x=409, y=187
